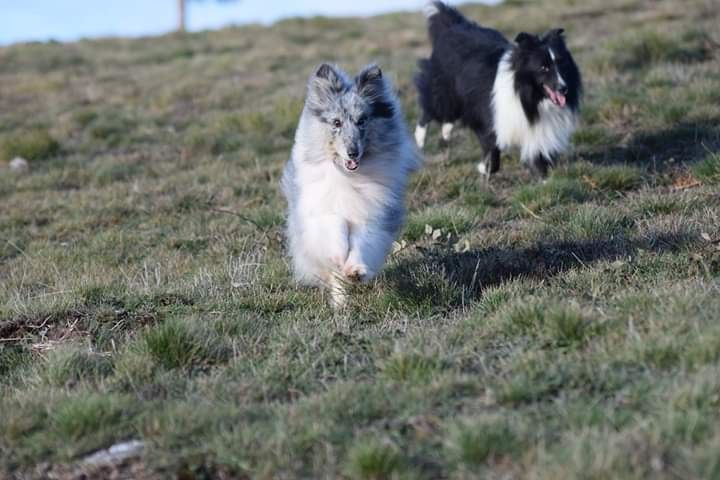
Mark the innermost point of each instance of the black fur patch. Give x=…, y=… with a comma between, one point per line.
x=530, y=97
x=382, y=109
x=527, y=40
x=555, y=32
x=525, y=62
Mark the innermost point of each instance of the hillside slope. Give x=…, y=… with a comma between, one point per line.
x=522, y=330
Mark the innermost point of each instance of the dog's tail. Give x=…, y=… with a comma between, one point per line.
x=441, y=17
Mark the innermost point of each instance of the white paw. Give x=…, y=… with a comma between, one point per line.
x=355, y=272
x=420, y=133
x=447, y=129
x=482, y=168
x=338, y=299
x=338, y=294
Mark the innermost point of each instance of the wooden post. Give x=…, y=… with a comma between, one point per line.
x=181, y=15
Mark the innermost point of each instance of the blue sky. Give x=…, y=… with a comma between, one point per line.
x=24, y=20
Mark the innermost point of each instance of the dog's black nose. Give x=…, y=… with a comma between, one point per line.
x=563, y=90
x=353, y=153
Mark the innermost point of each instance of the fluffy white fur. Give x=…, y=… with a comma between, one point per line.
x=549, y=135
x=342, y=224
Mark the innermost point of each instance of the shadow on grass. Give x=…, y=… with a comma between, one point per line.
x=683, y=143
x=469, y=273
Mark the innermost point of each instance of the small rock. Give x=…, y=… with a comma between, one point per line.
x=657, y=463
x=19, y=165
x=115, y=454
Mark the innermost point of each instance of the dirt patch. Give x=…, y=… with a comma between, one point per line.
x=55, y=327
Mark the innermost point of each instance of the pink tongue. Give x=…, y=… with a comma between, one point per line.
x=351, y=164
x=555, y=97
x=560, y=99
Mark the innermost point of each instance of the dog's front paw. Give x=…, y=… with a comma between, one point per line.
x=355, y=272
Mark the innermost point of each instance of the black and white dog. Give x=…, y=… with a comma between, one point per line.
x=524, y=95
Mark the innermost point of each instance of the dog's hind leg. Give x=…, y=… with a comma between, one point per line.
x=446, y=134
x=490, y=162
x=420, y=134
x=421, y=129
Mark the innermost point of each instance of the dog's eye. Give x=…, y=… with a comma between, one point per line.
x=337, y=123
x=361, y=121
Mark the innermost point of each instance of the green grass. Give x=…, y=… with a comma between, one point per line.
x=184, y=343
x=520, y=329
x=79, y=418
x=435, y=223
x=557, y=190
x=586, y=222
x=476, y=442
x=71, y=365
x=708, y=170
x=30, y=145
x=373, y=460
x=613, y=178
x=645, y=47
x=404, y=367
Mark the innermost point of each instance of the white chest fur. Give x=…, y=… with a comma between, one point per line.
x=549, y=135
x=326, y=190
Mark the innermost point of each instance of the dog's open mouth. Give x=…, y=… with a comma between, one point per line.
x=555, y=97
x=351, y=165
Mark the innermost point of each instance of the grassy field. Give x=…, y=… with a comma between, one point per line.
x=569, y=329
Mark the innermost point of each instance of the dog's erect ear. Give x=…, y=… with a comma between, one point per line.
x=324, y=87
x=527, y=40
x=371, y=73
x=325, y=71
x=328, y=76
x=554, y=33
x=370, y=84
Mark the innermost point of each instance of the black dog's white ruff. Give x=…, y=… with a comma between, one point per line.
x=524, y=95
